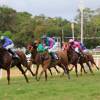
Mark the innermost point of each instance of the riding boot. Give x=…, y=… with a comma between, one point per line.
x=54, y=55
x=13, y=54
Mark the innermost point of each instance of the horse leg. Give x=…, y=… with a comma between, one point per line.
x=46, y=75
x=50, y=71
x=96, y=66
x=21, y=69
x=76, y=70
x=71, y=68
x=66, y=70
x=8, y=75
x=26, y=70
x=28, y=67
x=56, y=69
x=31, y=72
x=93, y=63
x=89, y=67
x=37, y=71
x=82, y=67
x=44, y=70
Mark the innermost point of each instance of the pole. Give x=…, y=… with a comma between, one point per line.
x=82, y=26
x=62, y=35
x=81, y=10
x=0, y=73
x=72, y=26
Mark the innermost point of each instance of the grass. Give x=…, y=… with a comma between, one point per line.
x=86, y=87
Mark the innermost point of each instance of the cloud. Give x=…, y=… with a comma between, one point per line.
x=52, y=8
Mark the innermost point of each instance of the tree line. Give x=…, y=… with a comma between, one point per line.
x=23, y=27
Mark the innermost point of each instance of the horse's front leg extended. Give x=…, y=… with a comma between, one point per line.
x=89, y=67
x=44, y=70
x=82, y=67
x=21, y=69
x=65, y=68
x=50, y=71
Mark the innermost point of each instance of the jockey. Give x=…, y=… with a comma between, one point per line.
x=8, y=45
x=84, y=49
x=76, y=46
x=48, y=43
x=40, y=47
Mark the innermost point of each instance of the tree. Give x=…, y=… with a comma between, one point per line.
x=7, y=19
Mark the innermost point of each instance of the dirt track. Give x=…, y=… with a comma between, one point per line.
x=15, y=72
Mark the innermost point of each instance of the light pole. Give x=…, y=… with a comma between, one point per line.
x=81, y=10
x=62, y=35
x=72, y=26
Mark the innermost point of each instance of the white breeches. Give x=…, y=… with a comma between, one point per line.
x=10, y=46
x=77, y=49
x=85, y=51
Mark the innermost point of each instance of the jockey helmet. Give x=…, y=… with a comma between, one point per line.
x=71, y=40
x=2, y=37
x=36, y=41
x=44, y=36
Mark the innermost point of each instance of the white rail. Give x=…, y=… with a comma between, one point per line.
x=0, y=73
x=97, y=59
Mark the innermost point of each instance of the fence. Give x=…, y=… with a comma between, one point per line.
x=96, y=55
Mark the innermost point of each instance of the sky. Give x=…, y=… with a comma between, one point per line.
x=51, y=8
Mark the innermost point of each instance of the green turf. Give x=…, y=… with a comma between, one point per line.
x=86, y=87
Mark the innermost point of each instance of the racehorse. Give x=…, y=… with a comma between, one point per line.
x=91, y=59
x=75, y=58
x=7, y=61
x=46, y=61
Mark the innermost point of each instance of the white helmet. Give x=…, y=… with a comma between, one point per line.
x=44, y=36
x=71, y=40
x=2, y=37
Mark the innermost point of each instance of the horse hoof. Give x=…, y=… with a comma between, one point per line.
x=27, y=81
x=34, y=74
x=85, y=72
x=37, y=79
x=98, y=68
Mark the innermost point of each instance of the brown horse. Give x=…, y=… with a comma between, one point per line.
x=75, y=58
x=46, y=61
x=91, y=60
x=7, y=62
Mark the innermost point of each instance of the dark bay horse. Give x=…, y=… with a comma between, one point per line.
x=46, y=61
x=91, y=60
x=7, y=62
x=75, y=58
